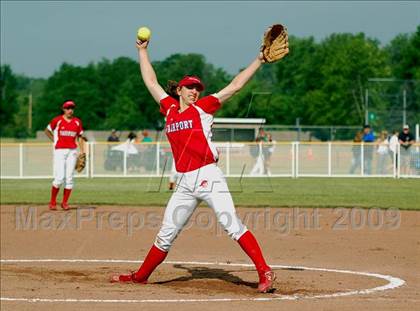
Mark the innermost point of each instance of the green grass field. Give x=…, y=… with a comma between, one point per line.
x=250, y=192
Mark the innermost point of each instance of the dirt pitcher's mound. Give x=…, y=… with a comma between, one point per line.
x=170, y=281
x=324, y=238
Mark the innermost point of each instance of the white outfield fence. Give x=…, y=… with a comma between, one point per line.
x=281, y=159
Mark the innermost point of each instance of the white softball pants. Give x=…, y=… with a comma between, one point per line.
x=205, y=184
x=64, y=164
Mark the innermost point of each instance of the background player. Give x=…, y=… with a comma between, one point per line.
x=188, y=128
x=64, y=130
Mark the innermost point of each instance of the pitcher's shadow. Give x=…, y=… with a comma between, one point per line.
x=197, y=273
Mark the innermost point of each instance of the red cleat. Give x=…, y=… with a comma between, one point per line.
x=124, y=278
x=266, y=281
x=65, y=206
x=52, y=206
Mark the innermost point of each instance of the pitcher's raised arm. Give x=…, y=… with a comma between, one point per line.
x=148, y=73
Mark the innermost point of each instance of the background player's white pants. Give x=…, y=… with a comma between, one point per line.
x=205, y=184
x=64, y=163
x=258, y=168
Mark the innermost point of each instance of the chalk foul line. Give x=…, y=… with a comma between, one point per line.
x=393, y=282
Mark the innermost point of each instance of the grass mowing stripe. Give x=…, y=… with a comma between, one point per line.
x=302, y=192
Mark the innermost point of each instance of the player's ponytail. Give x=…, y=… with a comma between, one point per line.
x=171, y=89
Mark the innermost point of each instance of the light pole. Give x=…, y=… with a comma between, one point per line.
x=390, y=80
x=367, y=106
x=404, y=106
x=30, y=108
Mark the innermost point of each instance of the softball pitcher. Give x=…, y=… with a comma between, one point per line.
x=64, y=130
x=188, y=127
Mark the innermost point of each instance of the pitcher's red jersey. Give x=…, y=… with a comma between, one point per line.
x=189, y=132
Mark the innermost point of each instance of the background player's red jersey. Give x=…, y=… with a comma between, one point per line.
x=65, y=132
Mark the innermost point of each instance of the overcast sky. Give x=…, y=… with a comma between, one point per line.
x=37, y=36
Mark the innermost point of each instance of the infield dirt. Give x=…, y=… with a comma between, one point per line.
x=388, y=246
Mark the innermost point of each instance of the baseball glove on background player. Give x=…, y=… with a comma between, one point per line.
x=80, y=162
x=275, y=44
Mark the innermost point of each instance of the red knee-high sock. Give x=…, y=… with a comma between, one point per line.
x=250, y=245
x=54, y=192
x=66, y=195
x=153, y=259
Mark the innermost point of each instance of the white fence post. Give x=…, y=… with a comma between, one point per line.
x=293, y=158
x=125, y=161
x=157, y=158
x=296, y=157
x=399, y=161
x=20, y=160
x=228, y=159
x=91, y=159
x=394, y=163
x=329, y=158
x=362, y=158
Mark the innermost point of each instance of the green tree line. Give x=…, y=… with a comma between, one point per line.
x=322, y=83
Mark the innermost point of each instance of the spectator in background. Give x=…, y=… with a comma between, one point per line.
x=113, y=137
x=113, y=158
x=393, y=146
x=356, y=151
x=146, y=137
x=262, y=135
x=406, y=139
x=148, y=152
x=133, y=159
x=131, y=138
x=257, y=152
x=130, y=151
x=383, y=151
x=268, y=149
x=368, y=138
